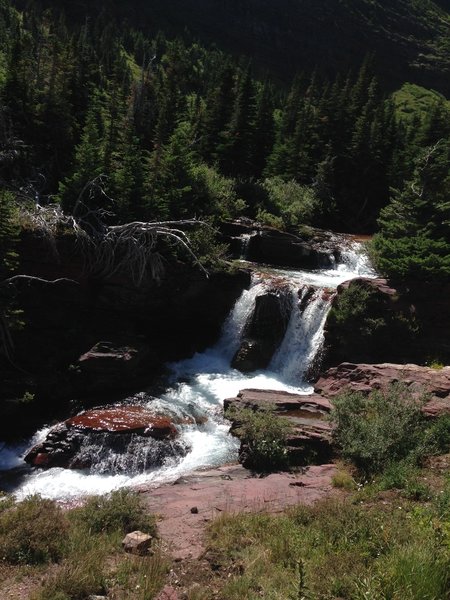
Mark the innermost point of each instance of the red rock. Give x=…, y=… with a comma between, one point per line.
x=309, y=433
x=41, y=460
x=111, y=429
x=364, y=378
x=130, y=419
x=279, y=401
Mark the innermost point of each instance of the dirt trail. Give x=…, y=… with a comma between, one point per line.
x=185, y=507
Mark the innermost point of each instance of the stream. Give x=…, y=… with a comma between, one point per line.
x=196, y=388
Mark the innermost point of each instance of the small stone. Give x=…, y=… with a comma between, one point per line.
x=194, y=510
x=137, y=543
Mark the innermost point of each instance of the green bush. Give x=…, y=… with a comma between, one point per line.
x=374, y=431
x=32, y=532
x=296, y=204
x=121, y=511
x=263, y=438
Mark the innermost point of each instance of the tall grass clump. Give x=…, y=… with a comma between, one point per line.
x=122, y=511
x=32, y=532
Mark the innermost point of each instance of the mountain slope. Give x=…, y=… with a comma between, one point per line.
x=410, y=38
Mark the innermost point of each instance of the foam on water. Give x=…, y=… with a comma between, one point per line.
x=198, y=386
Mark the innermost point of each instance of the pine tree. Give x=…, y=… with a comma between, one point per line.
x=414, y=238
x=88, y=164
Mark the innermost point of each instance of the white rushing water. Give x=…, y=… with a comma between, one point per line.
x=198, y=386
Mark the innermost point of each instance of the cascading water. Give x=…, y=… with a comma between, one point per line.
x=197, y=388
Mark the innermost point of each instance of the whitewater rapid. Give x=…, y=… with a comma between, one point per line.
x=197, y=387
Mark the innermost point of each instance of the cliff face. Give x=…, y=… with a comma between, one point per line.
x=408, y=38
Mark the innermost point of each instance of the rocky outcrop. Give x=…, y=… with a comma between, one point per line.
x=374, y=321
x=311, y=249
x=119, y=439
x=308, y=439
x=365, y=378
x=264, y=331
x=109, y=365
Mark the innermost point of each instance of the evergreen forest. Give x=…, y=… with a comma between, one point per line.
x=97, y=114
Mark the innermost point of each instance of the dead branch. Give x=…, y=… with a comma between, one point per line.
x=108, y=250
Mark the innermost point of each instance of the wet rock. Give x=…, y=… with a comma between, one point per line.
x=128, y=419
x=306, y=294
x=285, y=249
x=364, y=378
x=264, y=331
x=120, y=439
x=137, y=543
x=308, y=439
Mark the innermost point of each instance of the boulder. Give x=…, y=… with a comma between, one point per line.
x=375, y=321
x=107, y=358
x=119, y=439
x=364, y=378
x=264, y=330
x=308, y=439
x=287, y=250
x=137, y=543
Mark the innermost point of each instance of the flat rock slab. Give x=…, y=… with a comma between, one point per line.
x=228, y=489
x=130, y=419
x=309, y=437
x=279, y=401
x=365, y=378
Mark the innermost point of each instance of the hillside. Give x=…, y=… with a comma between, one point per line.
x=408, y=37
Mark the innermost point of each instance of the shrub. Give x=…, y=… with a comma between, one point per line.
x=121, y=511
x=32, y=532
x=374, y=431
x=295, y=203
x=263, y=438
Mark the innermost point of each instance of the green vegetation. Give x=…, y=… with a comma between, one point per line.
x=33, y=532
x=412, y=102
x=336, y=549
x=9, y=231
x=81, y=547
x=386, y=428
x=124, y=126
x=414, y=238
x=151, y=128
x=121, y=512
x=263, y=437
x=365, y=328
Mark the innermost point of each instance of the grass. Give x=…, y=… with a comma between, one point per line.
x=78, y=553
x=413, y=100
x=336, y=549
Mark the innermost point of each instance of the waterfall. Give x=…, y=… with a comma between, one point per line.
x=304, y=338
x=245, y=243
x=131, y=454
x=197, y=387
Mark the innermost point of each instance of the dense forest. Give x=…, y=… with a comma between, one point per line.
x=97, y=115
